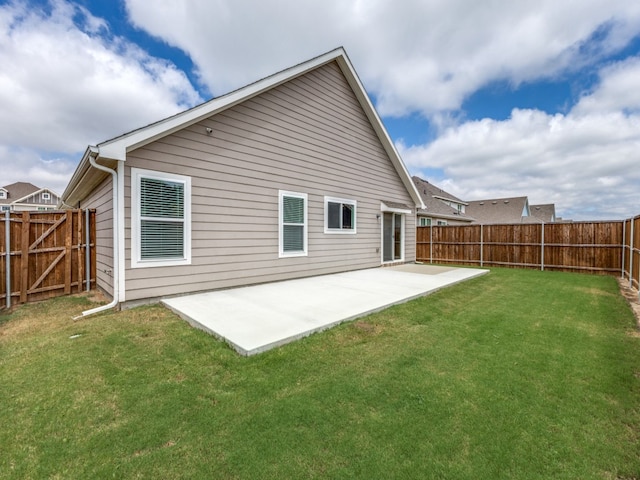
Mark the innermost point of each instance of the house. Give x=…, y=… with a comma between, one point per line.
x=441, y=208
x=23, y=196
x=501, y=210
x=291, y=176
x=546, y=213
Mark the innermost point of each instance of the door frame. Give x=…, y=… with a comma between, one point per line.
x=403, y=227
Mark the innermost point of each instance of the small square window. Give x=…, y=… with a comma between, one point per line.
x=46, y=196
x=340, y=215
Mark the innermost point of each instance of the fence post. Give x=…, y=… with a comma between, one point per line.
x=7, y=262
x=631, y=253
x=24, y=280
x=481, y=245
x=542, y=250
x=431, y=241
x=87, y=252
x=624, y=246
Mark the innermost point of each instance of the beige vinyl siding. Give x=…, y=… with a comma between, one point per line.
x=102, y=200
x=309, y=135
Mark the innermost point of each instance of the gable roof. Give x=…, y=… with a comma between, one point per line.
x=546, y=212
x=433, y=197
x=19, y=192
x=115, y=149
x=501, y=210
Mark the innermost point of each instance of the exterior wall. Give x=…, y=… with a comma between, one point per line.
x=309, y=135
x=102, y=200
x=36, y=202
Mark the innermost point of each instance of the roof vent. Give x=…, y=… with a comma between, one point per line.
x=481, y=203
x=506, y=201
x=493, y=203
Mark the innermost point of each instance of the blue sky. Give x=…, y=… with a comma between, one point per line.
x=535, y=98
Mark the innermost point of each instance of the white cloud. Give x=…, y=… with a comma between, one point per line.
x=414, y=55
x=66, y=82
x=585, y=161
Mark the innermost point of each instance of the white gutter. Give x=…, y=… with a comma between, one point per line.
x=116, y=261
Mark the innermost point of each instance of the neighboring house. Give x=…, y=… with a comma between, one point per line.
x=441, y=208
x=290, y=176
x=22, y=196
x=546, y=213
x=501, y=210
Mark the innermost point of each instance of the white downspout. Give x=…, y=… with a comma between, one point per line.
x=116, y=263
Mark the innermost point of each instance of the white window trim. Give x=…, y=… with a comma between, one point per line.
x=340, y=231
x=136, y=261
x=281, y=252
x=46, y=196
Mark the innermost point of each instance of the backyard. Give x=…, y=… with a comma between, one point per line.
x=519, y=374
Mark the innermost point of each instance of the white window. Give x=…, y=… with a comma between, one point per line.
x=3, y=194
x=441, y=222
x=46, y=196
x=160, y=219
x=339, y=215
x=425, y=222
x=293, y=224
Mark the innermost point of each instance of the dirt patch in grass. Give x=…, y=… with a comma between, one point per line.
x=46, y=315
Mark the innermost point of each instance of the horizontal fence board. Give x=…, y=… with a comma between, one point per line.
x=611, y=248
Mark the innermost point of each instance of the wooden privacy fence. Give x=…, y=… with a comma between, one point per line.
x=595, y=247
x=631, y=251
x=46, y=254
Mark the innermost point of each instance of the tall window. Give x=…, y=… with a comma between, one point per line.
x=161, y=219
x=339, y=215
x=293, y=224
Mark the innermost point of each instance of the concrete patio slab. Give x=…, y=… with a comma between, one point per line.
x=257, y=318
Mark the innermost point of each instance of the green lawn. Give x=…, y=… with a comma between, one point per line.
x=517, y=374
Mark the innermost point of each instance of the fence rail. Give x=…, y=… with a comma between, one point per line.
x=596, y=247
x=46, y=254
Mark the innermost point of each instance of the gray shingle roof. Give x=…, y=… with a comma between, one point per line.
x=18, y=190
x=546, y=212
x=500, y=210
x=432, y=197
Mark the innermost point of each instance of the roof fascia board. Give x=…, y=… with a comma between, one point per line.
x=117, y=148
x=78, y=174
x=356, y=85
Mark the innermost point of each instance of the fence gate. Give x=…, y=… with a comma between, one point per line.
x=46, y=254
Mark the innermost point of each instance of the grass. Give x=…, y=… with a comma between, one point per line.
x=517, y=374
